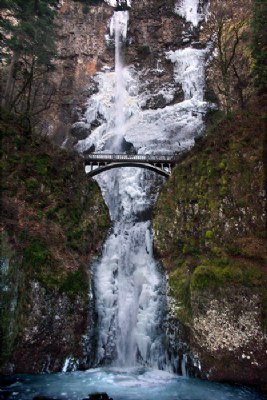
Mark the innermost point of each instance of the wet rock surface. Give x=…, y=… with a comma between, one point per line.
x=44, y=268
x=209, y=225
x=99, y=396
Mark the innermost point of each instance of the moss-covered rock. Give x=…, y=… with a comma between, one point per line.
x=209, y=228
x=54, y=221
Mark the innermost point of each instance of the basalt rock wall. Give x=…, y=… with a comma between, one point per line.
x=83, y=50
x=53, y=223
x=210, y=233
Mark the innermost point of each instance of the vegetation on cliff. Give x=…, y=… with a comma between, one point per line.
x=210, y=233
x=210, y=217
x=28, y=48
x=53, y=222
x=237, y=31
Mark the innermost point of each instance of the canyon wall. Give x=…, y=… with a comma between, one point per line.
x=209, y=221
x=53, y=223
x=210, y=233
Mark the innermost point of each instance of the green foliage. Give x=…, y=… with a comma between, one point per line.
x=75, y=283
x=179, y=282
x=208, y=217
x=208, y=235
x=259, y=43
x=37, y=255
x=35, y=28
x=190, y=248
x=31, y=184
x=28, y=47
x=218, y=272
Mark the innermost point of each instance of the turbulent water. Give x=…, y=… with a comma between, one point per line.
x=130, y=384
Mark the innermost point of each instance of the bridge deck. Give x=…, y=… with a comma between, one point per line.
x=150, y=158
x=161, y=163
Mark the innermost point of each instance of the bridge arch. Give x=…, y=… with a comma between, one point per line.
x=151, y=167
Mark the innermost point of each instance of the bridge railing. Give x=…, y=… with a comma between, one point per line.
x=132, y=157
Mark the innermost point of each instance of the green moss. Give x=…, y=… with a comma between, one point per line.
x=37, y=255
x=203, y=276
x=233, y=249
x=208, y=235
x=179, y=282
x=190, y=249
x=219, y=177
x=40, y=264
x=42, y=164
x=222, y=165
x=220, y=272
x=53, y=214
x=75, y=283
x=31, y=184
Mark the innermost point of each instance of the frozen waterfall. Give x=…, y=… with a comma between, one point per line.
x=118, y=28
x=129, y=286
x=193, y=11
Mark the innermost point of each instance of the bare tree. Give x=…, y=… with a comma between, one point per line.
x=229, y=28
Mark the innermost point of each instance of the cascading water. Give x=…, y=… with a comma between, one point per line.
x=129, y=288
x=194, y=11
x=118, y=28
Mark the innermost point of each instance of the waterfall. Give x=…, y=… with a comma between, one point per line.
x=129, y=286
x=193, y=11
x=118, y=28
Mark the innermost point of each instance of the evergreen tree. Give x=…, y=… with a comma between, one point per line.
x=259, y=43
x=28, y=47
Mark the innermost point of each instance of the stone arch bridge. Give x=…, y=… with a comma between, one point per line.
x=161, y=164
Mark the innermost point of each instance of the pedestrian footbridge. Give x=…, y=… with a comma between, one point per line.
x=100, y=162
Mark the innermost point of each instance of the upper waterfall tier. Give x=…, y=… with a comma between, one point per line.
x=189, y=70
x=118, y=28
x=119, y=24
x=193, y=11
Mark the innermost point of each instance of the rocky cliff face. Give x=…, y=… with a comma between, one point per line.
x=82, y=51
x=210, y=219
x=53, y=223
x=210, y=234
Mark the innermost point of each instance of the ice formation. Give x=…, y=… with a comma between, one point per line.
x=129, y=288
